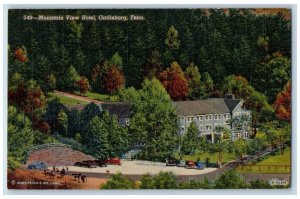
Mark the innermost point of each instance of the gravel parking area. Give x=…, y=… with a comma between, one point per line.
x=141, y=167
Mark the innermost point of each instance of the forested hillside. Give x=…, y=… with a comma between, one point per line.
x=218, y=42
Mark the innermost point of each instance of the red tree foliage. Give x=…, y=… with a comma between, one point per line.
x=31, y=101
x=42, y=126
x=283, y=103
x=20, y=54
x=175, y=82
x=114, y=80
x=83, y=85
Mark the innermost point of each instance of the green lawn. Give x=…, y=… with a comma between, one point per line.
x=213, y=157
x=66, y=100
x=276, y=159
x=100, y=97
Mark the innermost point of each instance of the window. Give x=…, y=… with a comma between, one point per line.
x=206, y=117
x=216, y=116
x=208, y=127
x=188, y=119
x=201, y=118
x=201, y=128
x=182, y=118
x=210, y=116
x=219, y=116
x=182, y=128
x=127, y=121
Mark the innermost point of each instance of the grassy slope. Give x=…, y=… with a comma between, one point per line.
x=213, y=157
x=100, y=97
x=66, y=100
x=277, y=159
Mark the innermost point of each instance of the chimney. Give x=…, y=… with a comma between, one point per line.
x=229, y=96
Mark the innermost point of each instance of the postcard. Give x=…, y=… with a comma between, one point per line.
x=196, y=98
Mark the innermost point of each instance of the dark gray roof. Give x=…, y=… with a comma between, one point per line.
x=120, y=109
x=207, y=106
x=232, y=103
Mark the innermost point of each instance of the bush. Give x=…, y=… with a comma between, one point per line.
x=230, y=180
x=118, y=181
x=13, y=163
x=259, y=184
x=163, y=180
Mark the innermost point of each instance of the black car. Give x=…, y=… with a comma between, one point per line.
x=86, y=163
x=101, y=163
x=171, y=162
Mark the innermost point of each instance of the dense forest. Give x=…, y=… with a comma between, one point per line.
x=257, y=47
x=174, y=54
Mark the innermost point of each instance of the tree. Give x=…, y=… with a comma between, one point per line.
x=230, y=180
x=29, y=98
x=240, y=147
x=154, y=65
x=117, y=135
x=160, y=135
x=172, y=43
x=283, y=103
x=20, y=54
x=114, y=80
x=237, y=85
x=116, y=60
x=172, y=38
x=272, y=76
x=96, y=140
x=87, y=114
x=196, y=88
x=208, y=84
x=174, y=81
x=254, y=146
x=118, y=181
x=68, y=80
x=83, y=85
x=52, y=110
x=51, y=83
x=190, y=140
x=20, y=137
x=163, y=180
x=62, y=120
x=147, y=182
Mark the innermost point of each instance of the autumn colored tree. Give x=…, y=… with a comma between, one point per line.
x=30, y=99
x=154, y=65
x=174, y=81
x=83, y=85
x=196, y=88
x=283, y=103
x=21, y=54
x=114, y=80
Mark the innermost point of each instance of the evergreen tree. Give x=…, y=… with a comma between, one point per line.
x=97, y=139
x=190, y=140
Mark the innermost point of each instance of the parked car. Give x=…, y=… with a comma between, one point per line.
x=190, y=164
x=171, y=162
x=114, y=160
x=87, y=163
x=181, y=163
x=200, y=165
x=37, y=165
x=101, y=163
